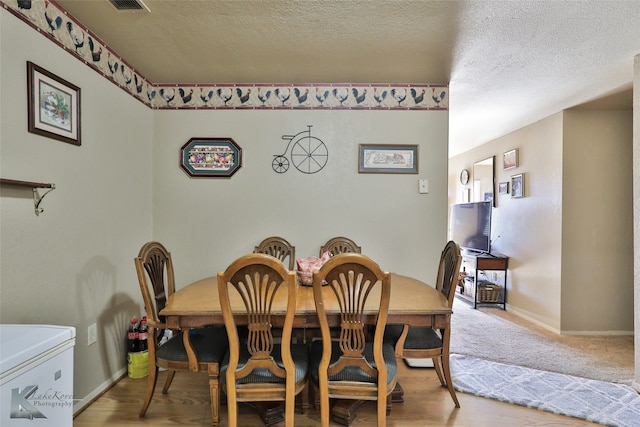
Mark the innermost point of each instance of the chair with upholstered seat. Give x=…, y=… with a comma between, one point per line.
x=209, y=344
x=279, y=248
x=354, y=367
x=340, y=245
x=426, y=342
x=257, y=369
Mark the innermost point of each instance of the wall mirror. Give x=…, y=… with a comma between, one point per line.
x=484, y=180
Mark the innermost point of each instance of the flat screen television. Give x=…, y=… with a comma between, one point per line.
x=470, y=226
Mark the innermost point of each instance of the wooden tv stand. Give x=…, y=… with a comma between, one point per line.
x=480, y=284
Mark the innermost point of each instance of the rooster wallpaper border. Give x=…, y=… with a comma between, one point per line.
x=53, y=22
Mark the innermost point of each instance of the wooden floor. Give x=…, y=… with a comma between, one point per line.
x=426, y=404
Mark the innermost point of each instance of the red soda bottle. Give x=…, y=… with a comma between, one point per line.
x=143, y=333
x=132, y=336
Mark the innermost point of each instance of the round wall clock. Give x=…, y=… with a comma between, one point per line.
x=464, y=176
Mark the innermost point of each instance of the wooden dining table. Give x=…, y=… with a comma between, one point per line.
x=412, y=302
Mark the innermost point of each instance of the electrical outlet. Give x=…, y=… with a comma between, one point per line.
x=92, y=334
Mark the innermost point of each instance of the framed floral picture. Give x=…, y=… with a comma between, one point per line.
x=510, y=159
x=211, y=157
x=54, y=105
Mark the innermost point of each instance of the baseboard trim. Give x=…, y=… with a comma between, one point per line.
x=522, y=314
x=80, y=405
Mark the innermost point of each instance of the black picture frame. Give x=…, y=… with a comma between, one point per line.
x=211, y=157
x=53, y=106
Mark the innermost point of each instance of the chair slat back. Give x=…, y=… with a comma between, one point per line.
x=340, y=245
x=448, y=270
x=257, y=280
x=353, y=279
x=156, y=278
x=279, y=248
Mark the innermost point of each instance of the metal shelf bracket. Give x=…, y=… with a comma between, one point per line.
x=37, y=198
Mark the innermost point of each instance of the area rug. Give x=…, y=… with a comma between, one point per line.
x=601, y=402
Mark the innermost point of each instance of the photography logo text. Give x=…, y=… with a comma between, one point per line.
x=28, y=403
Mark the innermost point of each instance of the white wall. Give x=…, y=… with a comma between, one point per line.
x=73, y=264
x=208, y=222
x=597, y=255
x=528, y=229
x=569, y=266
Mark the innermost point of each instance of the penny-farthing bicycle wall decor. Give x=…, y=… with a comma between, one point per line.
x=308, y=153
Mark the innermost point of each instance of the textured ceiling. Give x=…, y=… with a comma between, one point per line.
x=507, y=63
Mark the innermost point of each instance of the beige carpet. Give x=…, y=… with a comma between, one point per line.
x=497, y=335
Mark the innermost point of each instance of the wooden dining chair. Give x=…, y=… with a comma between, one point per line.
x=353, y=366
x=203, y=348
x=340, y=245
x=257, y=369
x=426, y=342
x=279, y=248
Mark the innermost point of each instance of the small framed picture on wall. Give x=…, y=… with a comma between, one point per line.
x=390, y=158
x=510, y=159
x=54, y=105
x=517, y=185
x=503, y=188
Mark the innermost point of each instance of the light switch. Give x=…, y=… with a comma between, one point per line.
x=423, y=186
